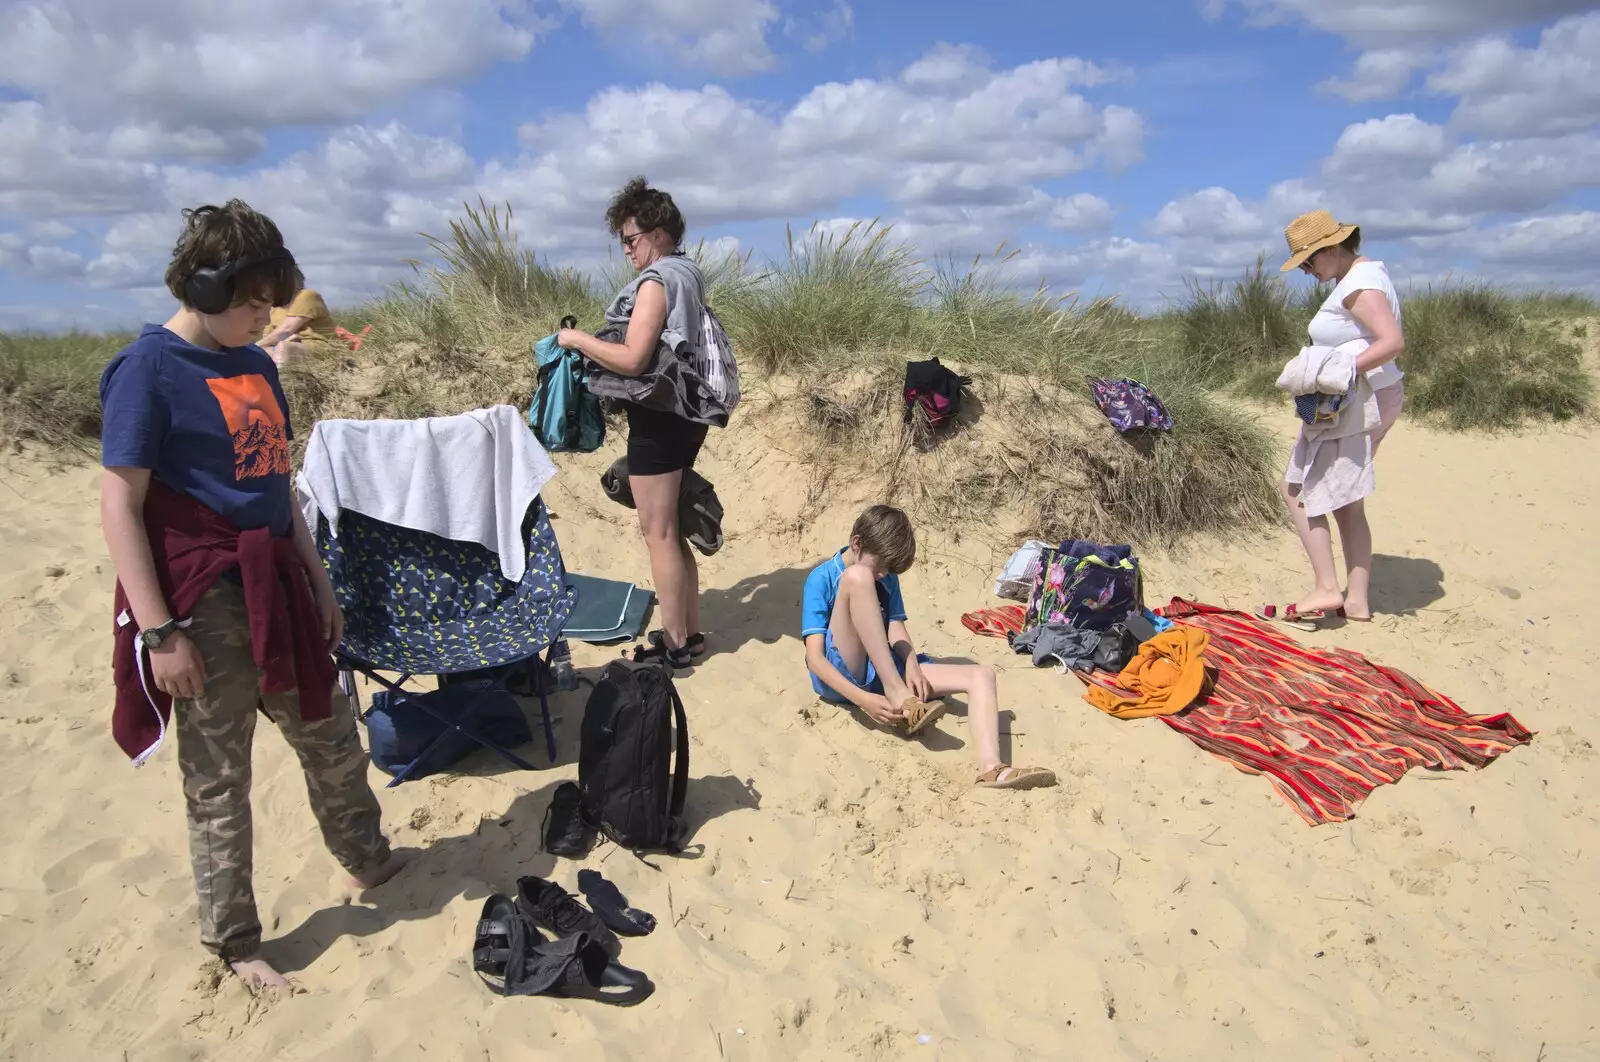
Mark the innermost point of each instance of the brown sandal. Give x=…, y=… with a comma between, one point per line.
x=1006, y=776
x=920, y=714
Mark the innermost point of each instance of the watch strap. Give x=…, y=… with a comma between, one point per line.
x=157, y=635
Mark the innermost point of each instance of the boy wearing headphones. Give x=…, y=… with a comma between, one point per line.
x=223, y=607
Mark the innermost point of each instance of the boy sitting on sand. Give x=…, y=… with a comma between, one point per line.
x=223, y=607
x=859, y=652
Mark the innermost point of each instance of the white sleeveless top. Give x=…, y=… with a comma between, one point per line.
x=1334, y=325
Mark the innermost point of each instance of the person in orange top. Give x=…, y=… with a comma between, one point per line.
x=303, y=328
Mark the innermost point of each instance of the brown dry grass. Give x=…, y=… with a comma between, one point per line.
x=1026, y=452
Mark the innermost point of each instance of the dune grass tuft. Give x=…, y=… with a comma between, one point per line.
x=1239, y=334
x=834, y=297
x=50, y=388
x=1476, y=358
x=1031, y=442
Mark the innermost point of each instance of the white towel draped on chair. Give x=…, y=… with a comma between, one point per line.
x=469, y=477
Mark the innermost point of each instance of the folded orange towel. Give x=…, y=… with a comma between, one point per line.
x=1165, y=677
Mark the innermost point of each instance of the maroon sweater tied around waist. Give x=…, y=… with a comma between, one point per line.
x=192, y=545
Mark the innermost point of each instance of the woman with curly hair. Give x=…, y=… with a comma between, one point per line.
x=656, y=318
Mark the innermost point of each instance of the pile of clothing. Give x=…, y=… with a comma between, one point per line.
x=1085, y=612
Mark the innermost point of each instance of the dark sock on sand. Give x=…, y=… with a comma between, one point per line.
x=607, y=901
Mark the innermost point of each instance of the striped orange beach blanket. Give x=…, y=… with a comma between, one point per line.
x=1327, y=726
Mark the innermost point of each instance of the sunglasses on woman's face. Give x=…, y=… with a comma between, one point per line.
x=629, y=239
x=1305, y=267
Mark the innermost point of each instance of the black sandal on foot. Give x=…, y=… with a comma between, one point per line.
x=695, y=643
x=677, y=659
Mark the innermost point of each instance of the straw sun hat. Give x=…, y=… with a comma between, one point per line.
x=1310, y=233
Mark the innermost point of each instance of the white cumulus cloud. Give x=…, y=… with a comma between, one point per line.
x=726, y=37
x=1548, y=90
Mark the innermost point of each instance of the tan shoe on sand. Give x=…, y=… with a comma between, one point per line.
x=920, y=714
x=1007, y=777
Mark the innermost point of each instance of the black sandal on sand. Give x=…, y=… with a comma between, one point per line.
x=695, y=643
x=513, y=959
x=500, y=946
x=677, y=659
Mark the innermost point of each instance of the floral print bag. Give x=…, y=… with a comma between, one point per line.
x=1085, y=585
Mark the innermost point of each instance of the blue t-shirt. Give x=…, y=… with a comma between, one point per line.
x=822, y=590
x=213, y=424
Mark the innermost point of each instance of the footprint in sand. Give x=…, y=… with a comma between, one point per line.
x=1416, y=882
x=1571, y=746
x=72, y=871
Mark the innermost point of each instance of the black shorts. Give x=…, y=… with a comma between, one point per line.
x=661, y=442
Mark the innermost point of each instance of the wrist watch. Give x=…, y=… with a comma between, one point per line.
x=156, y=637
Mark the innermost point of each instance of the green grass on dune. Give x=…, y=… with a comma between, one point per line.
x=1476, y=357
x=50, y=387
x=458, y=334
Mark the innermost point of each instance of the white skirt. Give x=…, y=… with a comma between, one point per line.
x=1339, y=472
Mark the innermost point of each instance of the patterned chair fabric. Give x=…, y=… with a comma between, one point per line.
x=424, y=605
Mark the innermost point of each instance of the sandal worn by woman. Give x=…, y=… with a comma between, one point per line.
x=677, y=659
x=695, y=643
x=1291, y=615
x=1006, y=776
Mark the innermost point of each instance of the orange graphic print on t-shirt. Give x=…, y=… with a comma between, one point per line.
x=256, y=422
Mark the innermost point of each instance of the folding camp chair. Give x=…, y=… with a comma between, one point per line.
x=420, y=604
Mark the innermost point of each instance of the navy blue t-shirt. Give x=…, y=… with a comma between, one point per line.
x=213, y=424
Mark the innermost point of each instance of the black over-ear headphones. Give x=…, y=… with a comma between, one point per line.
x=211, y=290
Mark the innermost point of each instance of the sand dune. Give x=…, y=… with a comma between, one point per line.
x=856, y=898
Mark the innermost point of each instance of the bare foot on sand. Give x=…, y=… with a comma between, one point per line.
x=1357, y=611
x=257, y=973
x=378, y=875
x=1320, y=601
x=898, y=694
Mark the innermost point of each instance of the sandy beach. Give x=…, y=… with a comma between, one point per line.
x=854, y=896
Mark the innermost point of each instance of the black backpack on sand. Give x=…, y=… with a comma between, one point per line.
x=633, y=788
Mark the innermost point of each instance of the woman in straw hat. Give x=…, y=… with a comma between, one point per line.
x=1335, y=478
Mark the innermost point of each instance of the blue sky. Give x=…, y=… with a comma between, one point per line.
x=1122, y=149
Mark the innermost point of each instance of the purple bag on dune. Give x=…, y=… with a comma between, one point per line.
x=1129, y=404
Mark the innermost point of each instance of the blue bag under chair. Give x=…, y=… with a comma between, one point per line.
x=420, y=604
x=404, y=737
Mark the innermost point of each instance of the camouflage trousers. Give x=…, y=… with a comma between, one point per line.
x=214, y=738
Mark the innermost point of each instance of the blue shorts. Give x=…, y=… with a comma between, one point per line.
x=871, y=683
